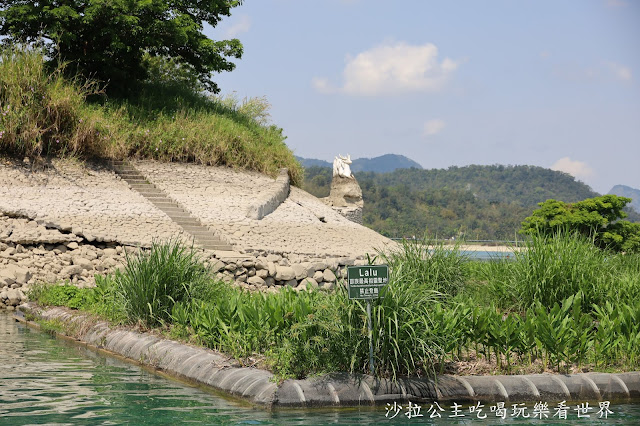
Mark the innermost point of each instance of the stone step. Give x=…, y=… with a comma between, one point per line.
x=223, y=247
x=176, y=217
x=203, y=234
x=159, y=197
x=184, y=216
x=191, y=226
x=164, y=205
x=200, y=234
x=144, y=187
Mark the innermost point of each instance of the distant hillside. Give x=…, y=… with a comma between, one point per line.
x=627, y=191
x=312, y=162
x=382, y=164
x=478, y=202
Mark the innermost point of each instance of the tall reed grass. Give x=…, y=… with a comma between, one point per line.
x=550, y=269
x=154, y=281
x=424, y=321
x=42, y=113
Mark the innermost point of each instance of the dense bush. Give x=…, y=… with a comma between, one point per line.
x=44, y=114
x=560, y=303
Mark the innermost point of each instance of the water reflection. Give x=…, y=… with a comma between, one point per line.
x=50, y=381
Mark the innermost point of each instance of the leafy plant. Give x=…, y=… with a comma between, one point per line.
x=154, y=281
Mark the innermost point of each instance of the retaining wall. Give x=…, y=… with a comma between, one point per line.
x=257, y=386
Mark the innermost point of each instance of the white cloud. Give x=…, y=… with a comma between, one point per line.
x=578, y=169
x=393, y=69
x=241, y=25
x=322, y=85
x=621, y=72
x=433, y=127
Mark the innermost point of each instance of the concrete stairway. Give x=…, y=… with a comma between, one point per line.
x=202, y=236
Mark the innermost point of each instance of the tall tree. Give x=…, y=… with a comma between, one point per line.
x=110, y=39
x=598, y=218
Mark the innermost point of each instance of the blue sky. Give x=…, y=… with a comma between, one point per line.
x=546, y=83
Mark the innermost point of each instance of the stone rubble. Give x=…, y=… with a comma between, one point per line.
x=69, y=222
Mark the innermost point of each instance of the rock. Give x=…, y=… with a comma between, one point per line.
x=291, y=283
x=109, y=262
x=216, y=265
x=231, y=267
x=328, y=276
x=262, y=273
x=271, y=267
x=269, y=281
x=256, y=280
x=71, y=270
x=319, y=266
x=110, y=252
x=301, y=271
x=284, y=273
x=284, y=262
x=308, y=282
x=14, y=296
x=318, y=276
x=328, y=286
x=72, y=245
x=90, y=255
x=273, y=258
x=7, y=277
x=82, y=262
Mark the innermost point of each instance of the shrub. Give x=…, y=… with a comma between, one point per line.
x=44, y=114
x=154, y=281
x=41, y=112
x=428, y=266
x=550, y=269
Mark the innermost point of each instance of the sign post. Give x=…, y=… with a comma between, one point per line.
x=367, y=282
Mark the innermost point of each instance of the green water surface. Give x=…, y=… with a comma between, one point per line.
x=44, y=380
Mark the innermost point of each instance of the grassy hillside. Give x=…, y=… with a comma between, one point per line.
x=474, y=202
x=44, y=114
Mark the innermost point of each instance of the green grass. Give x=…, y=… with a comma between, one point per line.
x=553, y=268
x=440, y=308
x=42, y=113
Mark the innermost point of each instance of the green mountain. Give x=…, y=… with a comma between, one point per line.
x=382, y=164
x=627, y=191
x=477, y=202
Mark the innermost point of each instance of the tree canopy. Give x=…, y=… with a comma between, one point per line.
x=112, y=40
x=598, y=218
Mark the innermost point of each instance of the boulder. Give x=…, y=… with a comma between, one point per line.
x=284, y=273
x=71, y=270
x=308, y=283
x=291, y=283
x=85, y=264
x=301, y=271
x=256, y=280
x=328, y=276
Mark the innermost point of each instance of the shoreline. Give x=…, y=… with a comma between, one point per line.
x=208, y=368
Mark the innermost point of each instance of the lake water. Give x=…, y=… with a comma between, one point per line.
x=44, y=380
